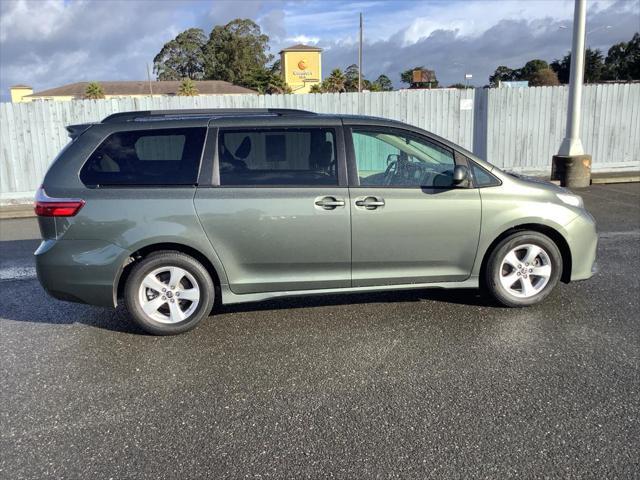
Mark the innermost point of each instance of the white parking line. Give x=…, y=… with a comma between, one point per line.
x=17, y=273
x=628, y=233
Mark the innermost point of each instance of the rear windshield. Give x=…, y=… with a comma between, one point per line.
x=146, y=157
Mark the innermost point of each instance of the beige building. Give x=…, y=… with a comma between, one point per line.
x=18, y=92
x=76, y=91
x=301, y=67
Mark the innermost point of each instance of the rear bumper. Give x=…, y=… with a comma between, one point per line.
x=583, y=242
x=82, y=271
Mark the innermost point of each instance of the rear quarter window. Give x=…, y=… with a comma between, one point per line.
x=146, y=157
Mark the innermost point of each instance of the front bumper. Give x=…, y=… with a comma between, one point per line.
x=583, y=243
x=82, y=271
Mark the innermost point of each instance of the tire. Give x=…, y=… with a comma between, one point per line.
x=529, y=262
x=174, y=310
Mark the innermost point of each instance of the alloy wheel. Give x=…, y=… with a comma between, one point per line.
x=169, y=294
x=525, y=270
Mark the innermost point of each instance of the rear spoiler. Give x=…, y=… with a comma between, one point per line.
x=76, y=130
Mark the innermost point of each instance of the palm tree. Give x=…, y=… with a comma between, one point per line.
x=187, y=88
x=277, y=86
x=316, y=88
x=336, y=82
x=94, y=91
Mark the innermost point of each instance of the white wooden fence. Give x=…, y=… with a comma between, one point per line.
x=517, y=129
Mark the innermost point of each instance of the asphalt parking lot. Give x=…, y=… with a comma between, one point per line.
x=394, y=385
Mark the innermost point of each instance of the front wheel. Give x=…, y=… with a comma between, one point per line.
x=523, y=269
x=168, y=293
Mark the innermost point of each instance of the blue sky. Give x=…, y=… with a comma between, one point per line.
x=46, y=43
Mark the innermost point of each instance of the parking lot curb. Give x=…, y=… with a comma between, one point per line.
x=16, y=211
x=607, y=178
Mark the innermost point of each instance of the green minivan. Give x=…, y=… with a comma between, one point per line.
x=174, y=212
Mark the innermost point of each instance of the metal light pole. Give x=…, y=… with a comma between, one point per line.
x=571, y=166
x=571, y=145
x=360, y=58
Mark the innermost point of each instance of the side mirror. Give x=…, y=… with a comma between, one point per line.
x=460, y=174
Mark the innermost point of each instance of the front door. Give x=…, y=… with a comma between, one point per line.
x=280, y=217
x=410, y=223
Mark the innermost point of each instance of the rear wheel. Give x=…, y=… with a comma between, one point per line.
x=523, y=269
x=168, y=293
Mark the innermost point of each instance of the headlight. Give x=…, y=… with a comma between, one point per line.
x=569, y=199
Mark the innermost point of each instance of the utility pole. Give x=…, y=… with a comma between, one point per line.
x=572, y=166
x=360, y=58
x=149, y=80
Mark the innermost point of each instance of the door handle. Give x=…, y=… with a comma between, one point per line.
x=370, y=203
x=329, y=203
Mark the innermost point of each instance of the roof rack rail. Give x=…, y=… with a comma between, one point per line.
x=206, y=112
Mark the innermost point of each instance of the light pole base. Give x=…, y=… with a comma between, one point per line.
x=572, y=171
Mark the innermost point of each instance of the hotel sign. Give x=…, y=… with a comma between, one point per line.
x=301, y=69
x=303, y=72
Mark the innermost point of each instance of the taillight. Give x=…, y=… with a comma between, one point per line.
x=45, y=206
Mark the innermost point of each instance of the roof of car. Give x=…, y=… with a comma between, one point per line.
x=242, y=115
x=227, y=113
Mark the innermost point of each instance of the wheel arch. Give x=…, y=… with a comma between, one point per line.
x=550, y=232
x=147, y=250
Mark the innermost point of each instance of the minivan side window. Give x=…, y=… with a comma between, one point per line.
x=277, y=157
x=168, y=156
x=394, y=159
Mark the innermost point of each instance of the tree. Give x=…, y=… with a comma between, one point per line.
x=544, y=77
x=384, y=83
x=594, y=67
x=502, y=74
x=188, y=88
x=623, y=60
x=182, y=57
x=335, y=83
x=351, y=75
x=267, y=81
x=370, y=86
x=562, y=68
x=526, y=73
x=622, y=63
x=316, y=88
x=235, y=51
x=407, y=75
x=94, y=91
x=530, y=69
x=276, y=67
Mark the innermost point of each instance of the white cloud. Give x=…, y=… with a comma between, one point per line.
x=510, y=41
x=475, y=18
x=51, y=42
x=303, y=39
x=21, y=20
